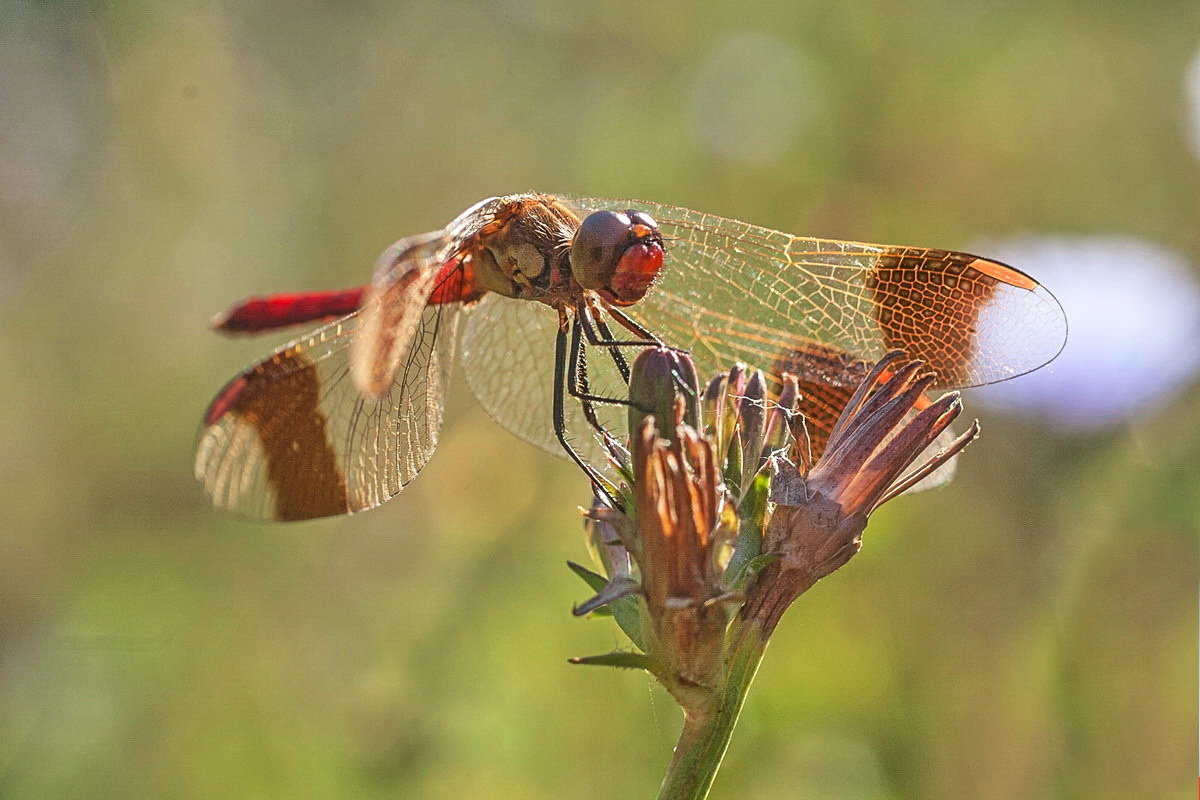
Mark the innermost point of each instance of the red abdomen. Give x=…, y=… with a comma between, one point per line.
x=455, y=284
x=282, y=310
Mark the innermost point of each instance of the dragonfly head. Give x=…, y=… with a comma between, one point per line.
x=617, y=255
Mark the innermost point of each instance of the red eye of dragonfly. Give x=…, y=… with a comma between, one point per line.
x=341, y=419
x=617, y=255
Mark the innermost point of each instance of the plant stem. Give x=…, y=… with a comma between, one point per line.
x=706, y=732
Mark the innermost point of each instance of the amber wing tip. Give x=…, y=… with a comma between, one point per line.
x=1004, y=274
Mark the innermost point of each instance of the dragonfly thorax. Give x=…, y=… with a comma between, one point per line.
x=523, y=251
x=537, y=248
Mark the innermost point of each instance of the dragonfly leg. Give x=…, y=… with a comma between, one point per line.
x=561, y=388
x=613, y=347
x=577, y=383
x=633, y=325
x=577, y=377
x=605, y=336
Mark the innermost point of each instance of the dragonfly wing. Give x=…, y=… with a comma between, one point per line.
x=392, y=309
x=508, y=357
x=732, y=291
x=406, y=275
x=342, y=419
x=293, y=438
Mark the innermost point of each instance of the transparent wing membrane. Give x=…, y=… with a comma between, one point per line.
x=342, y=419
x=292, y=437
x=731, y=291
x=508, y=358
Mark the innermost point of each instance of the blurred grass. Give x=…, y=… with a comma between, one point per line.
x=1027, y=632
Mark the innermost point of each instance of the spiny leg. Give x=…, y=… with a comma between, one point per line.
x=580, y=389
x=633, y=325
x=605, y=335
x=578, y=386
x=578, y=378
x=605, y=340
x=559, y=416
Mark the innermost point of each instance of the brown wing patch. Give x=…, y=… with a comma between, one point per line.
x=301, y=467
x=827, y=377
x=927, y=303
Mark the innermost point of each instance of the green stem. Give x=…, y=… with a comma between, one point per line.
x=706, y=732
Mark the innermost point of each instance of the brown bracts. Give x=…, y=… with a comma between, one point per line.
x=343, y=418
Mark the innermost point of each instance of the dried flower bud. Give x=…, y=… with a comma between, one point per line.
x=678, y=508
x=820, y=513
x=708, y=528
x=781, y=413
x=879, y=435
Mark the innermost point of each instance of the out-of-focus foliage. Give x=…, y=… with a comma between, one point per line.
x=1027, y=632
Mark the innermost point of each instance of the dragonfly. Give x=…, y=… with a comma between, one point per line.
x=342, y=418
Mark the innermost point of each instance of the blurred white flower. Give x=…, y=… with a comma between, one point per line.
x=751, y=97
x=1133, y=311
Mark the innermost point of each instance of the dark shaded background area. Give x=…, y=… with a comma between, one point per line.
x=1027, y=632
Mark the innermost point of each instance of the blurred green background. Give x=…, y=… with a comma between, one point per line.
x=1027, y=632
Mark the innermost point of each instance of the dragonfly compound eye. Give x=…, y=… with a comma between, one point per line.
x=617, y=255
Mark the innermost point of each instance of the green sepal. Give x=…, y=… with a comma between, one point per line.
x=733, y=466
x=618, y=659
x=623, y=608
x=593, y=579
x=659, y=375
x=738, y=583
x=752, y=514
